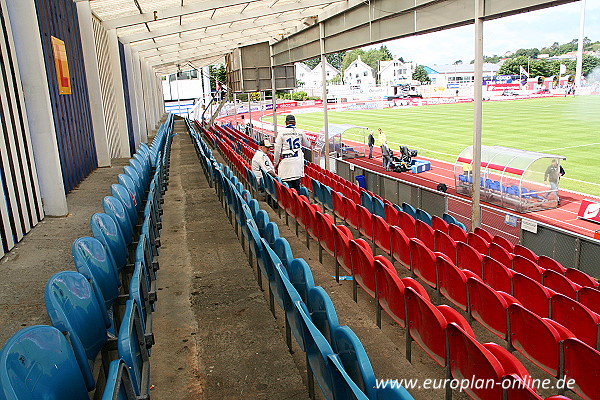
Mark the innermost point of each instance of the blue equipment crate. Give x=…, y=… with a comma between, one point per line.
x=418, y=166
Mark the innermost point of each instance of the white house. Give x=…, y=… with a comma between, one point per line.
x=359, y=74
x=459, y=75
x=313, y=78
x=394, y=72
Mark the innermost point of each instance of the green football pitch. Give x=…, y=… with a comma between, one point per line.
x=568, y=127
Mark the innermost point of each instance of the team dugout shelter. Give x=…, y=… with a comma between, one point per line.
x=510, y=178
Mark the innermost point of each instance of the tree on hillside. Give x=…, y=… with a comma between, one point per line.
x=531, y=53
x=536, y=67
x=370, y=57
x=335, y=59
x=421, y=75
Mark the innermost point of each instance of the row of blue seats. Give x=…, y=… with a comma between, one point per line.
x=335, y=355
x=496, y=186
x=322, y=195
x=104, y=308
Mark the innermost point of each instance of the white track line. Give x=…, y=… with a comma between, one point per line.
x=571, y=147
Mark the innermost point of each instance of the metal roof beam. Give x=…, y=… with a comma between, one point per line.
x=362, y=23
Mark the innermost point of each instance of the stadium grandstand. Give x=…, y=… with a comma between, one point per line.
x=142, y=258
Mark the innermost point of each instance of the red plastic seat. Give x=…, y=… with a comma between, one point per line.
x=525, y=252
x=489, y=307
x=424, y=233
x=400, y=246
x=501, y=255
x=339, y=209
x=504, y=243
x=407, y=224
x=391, y=213
x=488, y=237
x=365, y=222
x=560, y=284
x=581, y=278
x=538, y=339
x=550, y=263
x=582, y=364
x=439, y=224
x=452, y=282
x=443, y=243
x=390, y=291
x=496, y=275
x=341, y=239
x=577, y=318
x=457, y=233
x=325, y=230
x=590, y=298
x=532, y=294
x=422, y=262
x=427, y=325
x=471, y=360
x=363, y=270
x=468, y=258
x=478, y=243
x=351, y=213
x=381, y=234
x=527, y=267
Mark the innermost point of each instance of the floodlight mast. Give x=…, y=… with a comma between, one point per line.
x=579, y=65
x=477, y=117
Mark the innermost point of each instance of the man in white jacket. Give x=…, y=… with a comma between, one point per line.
x=289, y=158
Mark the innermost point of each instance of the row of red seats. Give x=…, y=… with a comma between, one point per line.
x=407, y=302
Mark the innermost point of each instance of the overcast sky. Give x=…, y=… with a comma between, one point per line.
x=534, y=29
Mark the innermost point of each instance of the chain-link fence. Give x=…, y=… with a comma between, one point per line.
x=570, y=249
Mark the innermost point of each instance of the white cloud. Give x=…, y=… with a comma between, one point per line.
x=534, y=29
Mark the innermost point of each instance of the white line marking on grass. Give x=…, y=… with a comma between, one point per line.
x=571, y=147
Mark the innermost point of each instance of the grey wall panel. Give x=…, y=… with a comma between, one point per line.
x=108, y=91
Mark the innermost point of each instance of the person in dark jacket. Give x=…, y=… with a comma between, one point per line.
x=552, y=176
x=371, y=143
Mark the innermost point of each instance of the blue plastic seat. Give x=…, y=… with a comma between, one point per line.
x=121, y=193
x=344, y=386
x=271, y=233
x=107, y=231
x=357, y=365
x=96, y=264
x=271, y=261
x=301, y=277
x=304, y=192
x=118, y=382
x=261, y=219
x=327, y=199
x=410, y=210
x=42, y=352
x=133, y=348
x=73, y=308
x=254, y=207
x=284, y=251
x=366, y=200
x=142, y=172
x=322, y=313
x=127, y=181
x=318, y=350
x=424, y=216
x=378, y=207
x=137, y=180
x=140, y=293
x=113, y=207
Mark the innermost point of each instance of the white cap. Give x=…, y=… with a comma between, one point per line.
x=267, y=143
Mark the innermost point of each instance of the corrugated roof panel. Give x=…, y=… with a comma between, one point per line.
x=131, y=30
x=111, y=9
x=153, y=5
x=189, y=18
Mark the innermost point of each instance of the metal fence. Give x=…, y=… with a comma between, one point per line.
x=570, y=249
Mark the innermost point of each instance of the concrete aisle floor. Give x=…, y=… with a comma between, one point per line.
x=215, y=335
